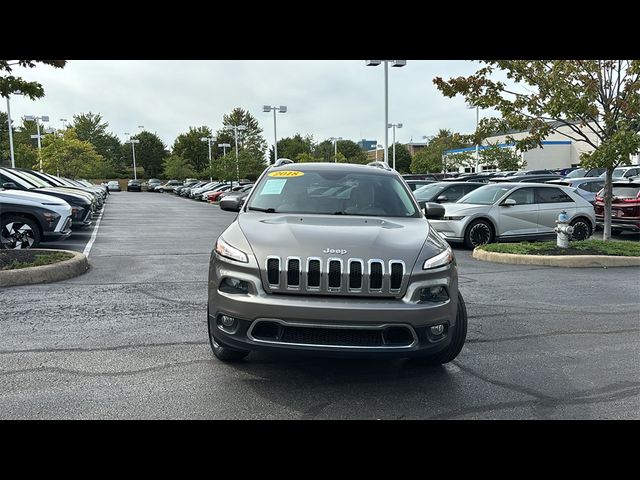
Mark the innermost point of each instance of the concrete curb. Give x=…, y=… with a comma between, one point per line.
x=574, y=261
x=46, y=273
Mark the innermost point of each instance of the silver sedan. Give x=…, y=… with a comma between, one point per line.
x=514, y=211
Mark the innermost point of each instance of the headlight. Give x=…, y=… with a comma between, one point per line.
x=225, y=250
x=440, y=260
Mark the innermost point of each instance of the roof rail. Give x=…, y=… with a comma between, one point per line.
x=282, y=161
x=382, y=165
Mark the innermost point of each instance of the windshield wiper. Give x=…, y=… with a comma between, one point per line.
x=265, y=210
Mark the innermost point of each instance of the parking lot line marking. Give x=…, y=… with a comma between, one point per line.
x=87, y=249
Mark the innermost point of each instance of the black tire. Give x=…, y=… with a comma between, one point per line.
x=18, y=232
x=479, y=232
x=582, y=229
x=459, y=335
x=220, y=350
x=160, y=190
x=616, y=231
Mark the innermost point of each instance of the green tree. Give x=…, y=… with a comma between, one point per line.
x=595, y=102
x=70, y=157
x=90, y=128
x=178, y=168
x=323, y=151
x=150, y=153
x=5, y=154
x=291, y=147
x=403, y=158
x=10, y=84
x=224, y=168
x=250, y=164
x=250, y=138
x=191, y=148
x=503, y=158
x=304, y=158
x=352, y=152
x=429, y=159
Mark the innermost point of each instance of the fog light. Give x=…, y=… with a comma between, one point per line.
x=233, y=285
x=437, y=329
x=434, y=294
x=227, y=321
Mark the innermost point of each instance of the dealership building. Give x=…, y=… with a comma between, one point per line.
x=557, y=150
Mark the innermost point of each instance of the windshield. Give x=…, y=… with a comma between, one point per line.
x=33, y=179
x=487, y=195
x=577, y=173
x=428, y=192
x=334, y=193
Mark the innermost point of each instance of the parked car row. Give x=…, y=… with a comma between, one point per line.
x=204, y=190
x=35, y=207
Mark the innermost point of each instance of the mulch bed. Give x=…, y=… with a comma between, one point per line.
x=7, y=257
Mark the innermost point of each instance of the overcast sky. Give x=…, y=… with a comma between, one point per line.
x=342, y=98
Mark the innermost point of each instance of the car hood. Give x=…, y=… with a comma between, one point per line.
x=305, y=236
x=23, y=195
x=458, y=209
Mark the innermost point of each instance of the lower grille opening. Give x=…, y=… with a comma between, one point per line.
x=332, y=336
x=398, y=336
x=266, y=331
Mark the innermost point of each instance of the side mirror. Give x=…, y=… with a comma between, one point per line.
x=509, y=202
x=230, y=204
x=10, y=186
x=442, y=198
x=433, y=210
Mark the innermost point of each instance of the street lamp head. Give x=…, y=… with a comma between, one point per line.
x=140, y=126
x=241, y=127
x=373, y=63
x=283, y=109
x=44, y=118
x=204, y=139
x=399, y=63
x=266, y=108
x=29, y=118
x=227, y=145
x=399, y=125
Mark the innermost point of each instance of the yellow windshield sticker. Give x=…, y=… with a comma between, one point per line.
x=286, y=173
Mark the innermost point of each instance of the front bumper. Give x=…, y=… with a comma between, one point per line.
x=630, y=224
x=451, y=230
x=62, y=231
x=331, y=313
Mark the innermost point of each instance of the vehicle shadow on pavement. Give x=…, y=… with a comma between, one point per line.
x=354, y=388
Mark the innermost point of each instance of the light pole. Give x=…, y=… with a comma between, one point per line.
x=64, y=123
x=209, y=140
x=133, y=150
x=13, y=159
x=394, y=126
x=236, y=129
x=377, y=147
x=281, y=109
x=44, y=118
x=335, y=148
x=224, y=149
x=395, y=63
x=477, y=123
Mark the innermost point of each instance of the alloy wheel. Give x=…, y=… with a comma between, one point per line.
x=480, y=234
x=17, y=235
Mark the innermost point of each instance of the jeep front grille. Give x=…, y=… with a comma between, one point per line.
x=335, y=276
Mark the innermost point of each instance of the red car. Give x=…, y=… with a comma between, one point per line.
x=625, y=207
x=215, y=196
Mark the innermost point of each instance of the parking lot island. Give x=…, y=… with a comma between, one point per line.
x=573, y=261
x=55, y=272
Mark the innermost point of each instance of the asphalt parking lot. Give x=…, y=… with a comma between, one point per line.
x=128, y=339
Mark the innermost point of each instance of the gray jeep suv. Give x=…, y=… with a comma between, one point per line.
x=327, y=257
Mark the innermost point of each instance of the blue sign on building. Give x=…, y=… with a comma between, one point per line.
x=367, y=145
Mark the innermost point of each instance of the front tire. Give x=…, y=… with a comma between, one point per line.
x=459, y=335
x=478, y=233
x=221, y=351
x=18, y=233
